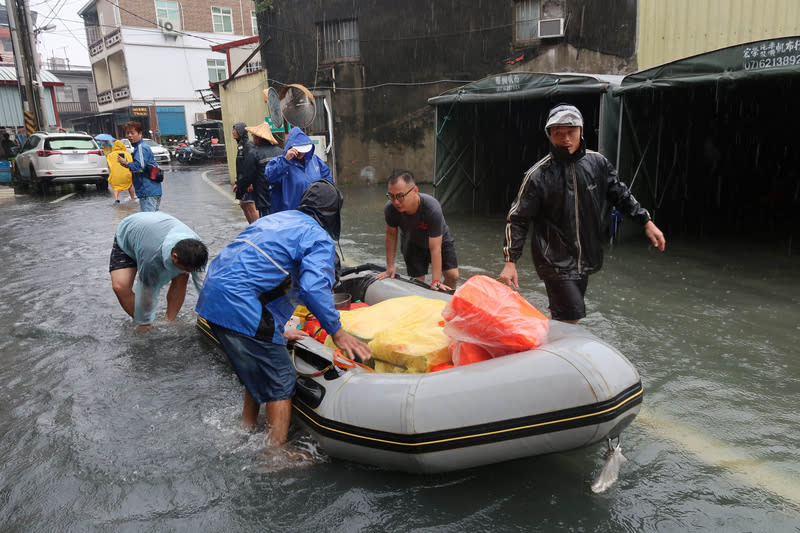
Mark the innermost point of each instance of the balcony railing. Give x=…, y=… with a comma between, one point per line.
x=113, y=38
x=121, y=93
x=104, y=97
x=77, y=107
x=96, y=47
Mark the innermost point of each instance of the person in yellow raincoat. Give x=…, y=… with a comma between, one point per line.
x=120, y=177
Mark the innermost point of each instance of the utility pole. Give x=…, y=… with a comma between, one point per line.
x=22, y=36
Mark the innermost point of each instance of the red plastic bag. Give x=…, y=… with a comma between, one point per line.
x=491, y=315
x=466, y=353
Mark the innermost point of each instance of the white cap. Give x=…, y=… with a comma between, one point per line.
x=303, y=148
x=563, y=115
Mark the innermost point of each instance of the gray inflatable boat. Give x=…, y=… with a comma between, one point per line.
x=571, y=392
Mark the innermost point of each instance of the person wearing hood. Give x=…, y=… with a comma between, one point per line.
x=252, y=288
x=563, y=196
x=288, y=176
x=120, y=177
x=243, y=191
x=263, y=149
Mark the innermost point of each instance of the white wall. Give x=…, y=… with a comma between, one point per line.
x=168, y=70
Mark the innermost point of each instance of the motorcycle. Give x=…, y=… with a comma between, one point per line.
x=200, y=151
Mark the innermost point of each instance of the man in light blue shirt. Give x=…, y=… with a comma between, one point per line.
x=160, y=249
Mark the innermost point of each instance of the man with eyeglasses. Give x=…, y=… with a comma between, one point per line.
x=424, y=236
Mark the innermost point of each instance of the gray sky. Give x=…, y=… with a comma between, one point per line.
x=68, y=39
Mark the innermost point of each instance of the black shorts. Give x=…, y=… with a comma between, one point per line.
x=119, y=259
x=566, y=298
x=417, y=259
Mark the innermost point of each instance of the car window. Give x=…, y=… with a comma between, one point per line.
x=70, y=143
x=31, y=143
x=150, y=142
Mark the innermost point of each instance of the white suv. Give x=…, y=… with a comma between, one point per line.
x=51, y=158
x=160, y=153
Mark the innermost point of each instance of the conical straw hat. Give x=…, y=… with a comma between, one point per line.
x=263, y=131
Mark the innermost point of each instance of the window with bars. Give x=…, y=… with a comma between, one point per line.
x=339, y=40
x=222, y=19
x=526, y=20
x=529, y=13
x=253, y=66
x=216, y=70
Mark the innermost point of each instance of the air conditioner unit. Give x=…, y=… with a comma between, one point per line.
x=199, y=116
x=551, y=28
x=166, y=25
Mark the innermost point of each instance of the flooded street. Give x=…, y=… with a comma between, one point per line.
x=105, y=430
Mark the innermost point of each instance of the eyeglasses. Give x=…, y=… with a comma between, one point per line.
x=399, y=196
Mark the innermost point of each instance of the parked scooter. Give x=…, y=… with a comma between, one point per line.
x=200, y=151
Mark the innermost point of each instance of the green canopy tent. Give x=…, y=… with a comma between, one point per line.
x=708, y=142
x=489, y=132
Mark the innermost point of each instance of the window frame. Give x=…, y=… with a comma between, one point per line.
x=221, y=13
x=176, y=21
x=254, y=21
x=540, y=6
x=219, y=64
x=338, y=26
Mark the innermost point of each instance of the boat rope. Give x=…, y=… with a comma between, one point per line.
x=612, y=460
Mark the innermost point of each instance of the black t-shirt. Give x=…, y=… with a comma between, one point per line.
x=416, y=229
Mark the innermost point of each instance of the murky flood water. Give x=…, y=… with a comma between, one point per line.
x=105, y=430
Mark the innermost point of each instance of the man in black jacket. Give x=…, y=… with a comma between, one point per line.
x=564, y=195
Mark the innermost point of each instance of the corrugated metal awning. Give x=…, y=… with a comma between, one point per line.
x=9, y=75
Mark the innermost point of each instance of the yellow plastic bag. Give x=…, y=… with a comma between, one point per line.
x=415, y=350
x=405, y=312
x=405, y=334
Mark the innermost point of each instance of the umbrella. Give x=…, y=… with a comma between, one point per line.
x=104, y=137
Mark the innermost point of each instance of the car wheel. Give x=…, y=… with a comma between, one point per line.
x=102, y=186
x=40, y=185
x=23, y=185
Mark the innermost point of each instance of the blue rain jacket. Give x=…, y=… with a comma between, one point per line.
x=143, y=156
x=247, y=289
x=149, y=238
x=288, y=179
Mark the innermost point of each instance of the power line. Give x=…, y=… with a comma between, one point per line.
x=155, y=25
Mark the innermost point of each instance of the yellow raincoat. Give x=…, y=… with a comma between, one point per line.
x=120, y=178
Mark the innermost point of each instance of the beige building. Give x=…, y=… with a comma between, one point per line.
x=672, y=29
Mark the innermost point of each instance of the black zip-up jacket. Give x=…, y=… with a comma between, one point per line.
x=253, y=173
x=568, y=230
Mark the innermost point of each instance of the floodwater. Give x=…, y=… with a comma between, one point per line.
x=105, y=430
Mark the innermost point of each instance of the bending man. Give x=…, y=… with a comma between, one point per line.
x=424, y=236
x=160, y=249
x=254, y=285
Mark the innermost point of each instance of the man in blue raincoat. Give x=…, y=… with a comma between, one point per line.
x=160, y=249
x=254, y=285
x=288, y=176
x=148, y=191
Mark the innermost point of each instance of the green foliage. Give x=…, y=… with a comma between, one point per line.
x=265, y=6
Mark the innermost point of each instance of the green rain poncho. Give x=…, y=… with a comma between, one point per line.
x=148, y=238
